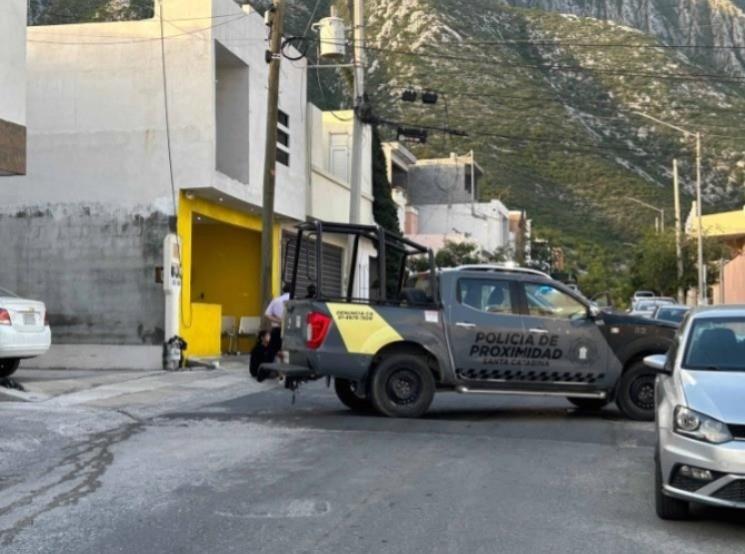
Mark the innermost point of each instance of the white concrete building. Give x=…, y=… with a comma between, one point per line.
x=84, y=229
x=12, y=88
x=330, y=137
x=483, y=223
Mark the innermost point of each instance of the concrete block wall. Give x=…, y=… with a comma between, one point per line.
x=94, y=268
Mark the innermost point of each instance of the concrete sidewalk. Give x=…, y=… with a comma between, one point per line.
x=116, y=389
x=98, y=356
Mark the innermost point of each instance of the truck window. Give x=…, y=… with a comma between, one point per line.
x=547, y=301
x=486, y=295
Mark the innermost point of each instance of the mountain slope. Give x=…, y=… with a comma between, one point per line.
x=551, y=120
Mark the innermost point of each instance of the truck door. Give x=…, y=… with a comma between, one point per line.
x=572, y=349
x=483, y=324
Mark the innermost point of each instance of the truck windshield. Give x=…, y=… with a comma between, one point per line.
x=716, y=344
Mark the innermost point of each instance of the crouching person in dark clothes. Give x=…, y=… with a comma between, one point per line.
x=261, y=353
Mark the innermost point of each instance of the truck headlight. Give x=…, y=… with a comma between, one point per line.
x=699, y=426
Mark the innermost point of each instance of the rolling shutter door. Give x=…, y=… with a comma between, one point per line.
x=333, y=259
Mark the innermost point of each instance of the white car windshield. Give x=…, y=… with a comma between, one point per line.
x=716, y=344
x=7, y=293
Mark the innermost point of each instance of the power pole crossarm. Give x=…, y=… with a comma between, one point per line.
x=270, y=153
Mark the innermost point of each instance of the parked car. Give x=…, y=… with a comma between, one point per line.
x=641, y=295
x=672, y=312
x=24, y=331
x=646, y=308
x=700, y=413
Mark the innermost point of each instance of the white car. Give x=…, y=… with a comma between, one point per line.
x=700, y=421
x=24, y=331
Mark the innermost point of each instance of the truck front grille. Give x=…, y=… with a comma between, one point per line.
x=738, y=432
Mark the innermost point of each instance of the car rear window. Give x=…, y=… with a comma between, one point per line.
x=671, y=314
x=716, y=344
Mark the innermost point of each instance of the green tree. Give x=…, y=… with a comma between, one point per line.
x=457, y=253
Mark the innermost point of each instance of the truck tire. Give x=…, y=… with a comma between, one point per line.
x=635, y=393
x=402, y=385
x=589, y=404
x=667, y=507
x=8, y=366
x=349, y=397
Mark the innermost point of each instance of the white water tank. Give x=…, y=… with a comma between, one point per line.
x=332, y=36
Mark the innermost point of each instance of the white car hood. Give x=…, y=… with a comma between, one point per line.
x=719, y=394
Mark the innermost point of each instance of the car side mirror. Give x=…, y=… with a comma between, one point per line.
x=593, y=312
x=658, y=362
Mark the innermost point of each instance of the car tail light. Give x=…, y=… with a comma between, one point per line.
x=46, y=318
x=318, y=325
x=4, y=317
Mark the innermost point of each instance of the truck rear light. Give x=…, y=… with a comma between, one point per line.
x=318, y=325
x=46, y=318
x=4, y=317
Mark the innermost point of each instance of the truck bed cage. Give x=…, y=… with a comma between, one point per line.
x=383, y=240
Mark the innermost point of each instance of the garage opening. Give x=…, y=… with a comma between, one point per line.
x=225, y=278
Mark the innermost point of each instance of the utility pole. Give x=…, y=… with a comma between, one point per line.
x=358, y=23
x=678, y=243
x=274, y=56
x=701, y=269
x=659, y=221
x=702, y=292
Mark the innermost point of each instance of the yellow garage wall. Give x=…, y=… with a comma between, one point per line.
x=200, y=335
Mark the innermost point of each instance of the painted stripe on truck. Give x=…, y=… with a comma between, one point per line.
x=362, y=328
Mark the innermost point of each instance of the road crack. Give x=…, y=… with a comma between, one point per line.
x=89, y=462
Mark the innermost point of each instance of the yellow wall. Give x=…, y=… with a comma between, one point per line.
x=218, y=246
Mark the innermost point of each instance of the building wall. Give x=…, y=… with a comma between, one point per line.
x=97, y=138
x=330, y=190
x=437, y=183
x=734, y=281
x=484, y=223
x=94, y=268
x=12, y=87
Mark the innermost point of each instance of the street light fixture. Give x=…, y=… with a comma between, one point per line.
x=651, y=207
x=701, y=270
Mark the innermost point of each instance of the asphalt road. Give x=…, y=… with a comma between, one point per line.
x=256, y=474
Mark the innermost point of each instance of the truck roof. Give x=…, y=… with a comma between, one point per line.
x=500, y=268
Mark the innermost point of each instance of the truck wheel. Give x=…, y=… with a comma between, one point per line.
x=349, y=397
x=8, y=366
x=667, y=507
x=402, y=386
x=635, y=394
x=589, y=404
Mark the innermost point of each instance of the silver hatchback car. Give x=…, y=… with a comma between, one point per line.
x=700, y=413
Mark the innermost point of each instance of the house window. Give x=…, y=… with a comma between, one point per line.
x=231, y=115
x=339, y=163
x=283, y=138
x=283, y=157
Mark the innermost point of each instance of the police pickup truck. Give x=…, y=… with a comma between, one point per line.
x=471, y=330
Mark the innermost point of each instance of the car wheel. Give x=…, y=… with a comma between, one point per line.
x=8, y=366
x=667, y=507
x=590, y=404
x=635, y=394
x=402, y=386
x=348, y=396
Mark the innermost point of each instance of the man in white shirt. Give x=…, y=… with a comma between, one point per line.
x=274, y=313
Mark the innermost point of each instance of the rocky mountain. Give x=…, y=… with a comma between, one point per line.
x=549, y=94
x=550, y=102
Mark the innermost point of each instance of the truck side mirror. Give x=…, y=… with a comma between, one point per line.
x=657, y=362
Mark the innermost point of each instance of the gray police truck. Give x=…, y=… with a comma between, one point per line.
x=471, y=330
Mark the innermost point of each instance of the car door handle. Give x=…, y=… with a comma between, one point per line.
x=539, y=331
x=465, y=324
